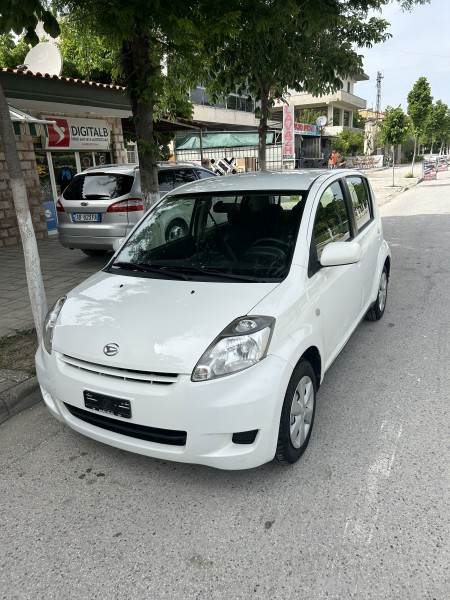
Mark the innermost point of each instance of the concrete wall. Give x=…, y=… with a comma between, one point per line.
x=9, y=230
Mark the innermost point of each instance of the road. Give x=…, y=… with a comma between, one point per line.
x=363, y=515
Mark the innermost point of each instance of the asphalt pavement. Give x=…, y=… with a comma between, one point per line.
x=364, y=515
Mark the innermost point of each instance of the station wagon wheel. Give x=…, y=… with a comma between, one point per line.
x=297, y=414
x=377, y=310
x=176, y=229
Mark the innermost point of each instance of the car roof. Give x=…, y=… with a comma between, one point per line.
x=280, y=181
x=130, y=168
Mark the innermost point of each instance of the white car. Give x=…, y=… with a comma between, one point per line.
x=210, y=347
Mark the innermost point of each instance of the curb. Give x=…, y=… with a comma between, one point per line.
x=18, y=397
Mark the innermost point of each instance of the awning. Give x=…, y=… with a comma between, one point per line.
x=221, y=140
x=18, y=116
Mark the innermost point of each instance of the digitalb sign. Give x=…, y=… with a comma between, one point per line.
x=77, y=134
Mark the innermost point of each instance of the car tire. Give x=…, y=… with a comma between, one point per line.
x=93, y=253
x=297, y=414
x=176, y=229
x=377, y=310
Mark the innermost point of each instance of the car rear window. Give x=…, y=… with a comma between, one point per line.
x=98, y=186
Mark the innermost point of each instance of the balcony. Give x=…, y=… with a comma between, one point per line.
x=340, y=99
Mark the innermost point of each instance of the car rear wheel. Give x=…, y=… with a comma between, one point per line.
x=377, y=310
x=297, y=414
x=176, y=229
x=93, y=253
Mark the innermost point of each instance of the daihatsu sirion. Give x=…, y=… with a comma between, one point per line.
x=210, y=348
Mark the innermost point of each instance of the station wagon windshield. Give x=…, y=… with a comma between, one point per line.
x=242, y=237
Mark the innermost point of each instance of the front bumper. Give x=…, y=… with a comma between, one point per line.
x=210, y=412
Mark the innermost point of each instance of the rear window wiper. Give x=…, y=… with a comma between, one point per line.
x=144, y=268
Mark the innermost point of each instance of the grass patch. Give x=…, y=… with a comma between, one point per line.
x=409, y=175
x=17, y=351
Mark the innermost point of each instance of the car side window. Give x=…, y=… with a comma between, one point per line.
x=204, y=174
x=360, y=201
x=331, y=223
x=165, y=180
x=184, y=176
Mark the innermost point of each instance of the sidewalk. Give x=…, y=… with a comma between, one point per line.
x=63, y=269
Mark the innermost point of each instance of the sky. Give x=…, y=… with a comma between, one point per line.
x=419, y=47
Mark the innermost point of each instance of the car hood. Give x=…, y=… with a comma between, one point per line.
x=159, y=325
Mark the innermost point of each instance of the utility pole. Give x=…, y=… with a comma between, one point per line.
x=378, y=105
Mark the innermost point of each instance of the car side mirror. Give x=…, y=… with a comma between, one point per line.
x=340, y=253
x=117, y=243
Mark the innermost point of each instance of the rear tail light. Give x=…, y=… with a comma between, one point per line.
x=130, y=205
x=59, y=207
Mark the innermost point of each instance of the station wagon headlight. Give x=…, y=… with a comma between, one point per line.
x=240, y=345
x=49, y=323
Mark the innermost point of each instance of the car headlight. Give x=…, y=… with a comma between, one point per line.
x=240, y=345
x=49, y=323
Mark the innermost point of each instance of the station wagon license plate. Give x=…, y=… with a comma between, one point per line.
x=83, y=217
x=107, y=404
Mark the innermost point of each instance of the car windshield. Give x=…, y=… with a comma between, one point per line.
x=238, y=237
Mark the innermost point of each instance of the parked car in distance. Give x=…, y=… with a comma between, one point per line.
x=104, y=203
x=210, y=347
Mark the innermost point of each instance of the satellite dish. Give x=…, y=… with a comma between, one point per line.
x=321, y=121
x=44, y=58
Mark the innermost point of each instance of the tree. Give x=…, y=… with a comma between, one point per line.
x=350, y=143
x=293, y=44
x=12, y=54
x=394, y=130
x=26, y=16
x=419, y=107
x=358, y=121
x=438, y=124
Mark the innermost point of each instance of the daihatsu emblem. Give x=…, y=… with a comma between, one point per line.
x=111, y=349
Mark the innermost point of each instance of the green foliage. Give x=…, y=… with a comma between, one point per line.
x=419, y=105
x=409, y=175
x=86, y=54
x=358, y=121
x=395, y=128
x=25, y=15
x=12, y=54
x=349, y=143
x=437, y=127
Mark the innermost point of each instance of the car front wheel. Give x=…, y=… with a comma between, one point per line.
x=297, y=414
x=377, y=310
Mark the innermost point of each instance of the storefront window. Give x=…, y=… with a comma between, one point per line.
x=102, y=158
x=86, y=160
x=46, y=190
x=64, y=167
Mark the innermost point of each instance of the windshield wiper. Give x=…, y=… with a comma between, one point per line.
x=217, y=273
x=144, y=268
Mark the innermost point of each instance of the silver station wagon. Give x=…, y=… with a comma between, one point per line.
x=104, y=203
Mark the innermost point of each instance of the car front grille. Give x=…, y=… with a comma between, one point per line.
x=117, y=373
x=140, y=432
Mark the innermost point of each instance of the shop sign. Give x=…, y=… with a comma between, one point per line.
x=442, y=163
x=288, y=133
x=306, y=129
x=77, y=134
x=429, y=170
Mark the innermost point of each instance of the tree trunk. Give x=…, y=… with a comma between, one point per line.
x=393, y=163
x=140, y=74
x=20, y=197
x=414, y=155
x=431, y=151
x=262, y=130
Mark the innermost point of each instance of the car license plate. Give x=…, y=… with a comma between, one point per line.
x=107, y=404
x=83, y=217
